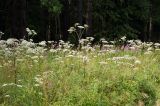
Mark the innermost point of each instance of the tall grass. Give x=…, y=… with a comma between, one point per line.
x=34, y=75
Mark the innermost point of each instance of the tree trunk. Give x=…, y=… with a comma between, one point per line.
x=89, y=17
x=65, y=20
x=59, y=26
x=144, y=36
x=49, y=27
x=150, y=28
x=150, y=21
x=18, y=19
x=80, y=13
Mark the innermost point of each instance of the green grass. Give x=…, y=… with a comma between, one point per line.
x=79, y=79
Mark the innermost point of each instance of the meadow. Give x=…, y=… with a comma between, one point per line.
x=57, y=74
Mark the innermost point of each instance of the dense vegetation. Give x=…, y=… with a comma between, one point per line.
x=79, y=53
x=34, y=74
x=51, y=19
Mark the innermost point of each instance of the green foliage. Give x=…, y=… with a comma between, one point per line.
x=116, y=16
x=54, y=6
x=111, y=19
x=148, y=92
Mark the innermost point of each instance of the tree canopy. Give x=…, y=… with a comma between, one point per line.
x=110, y=19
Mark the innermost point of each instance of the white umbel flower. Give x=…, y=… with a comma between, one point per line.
x=123, y=38
x=42, y=43
x=103, y=63
x=85, y=59
x=11, y=41
x=137, y=62
x=80, y=27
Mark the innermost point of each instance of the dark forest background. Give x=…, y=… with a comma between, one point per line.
x=110, y=19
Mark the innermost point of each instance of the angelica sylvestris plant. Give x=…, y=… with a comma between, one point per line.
x=78, y=30
x=31, y=33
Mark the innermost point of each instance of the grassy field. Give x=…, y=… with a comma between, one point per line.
x=35, y=75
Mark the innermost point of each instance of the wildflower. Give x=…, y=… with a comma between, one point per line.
x=157, y=44
x=39, y=80
x=50, y=42
x=4, y=85
x=138, y=42
x=31, y=40
x=113, y=42
x=27, y=29
x=2, y=42
x=106, y=46
x=86, y=26
x=36, y=61
x=82, y=41
x=24, y=42
x=40, y=93
x=136, y=68
x=130, y=41
x=71, y=30
x=34, y=32
x=104, y=41
x=19, y=80
x=65, y=50
x=123, y=38
x=112, y=51
x=52, y=50
x=85, y=59
x=137, y=62
x=20, y=60
x=90, y=38
x=12, y=41
x=69, y=56
x=76, y=24
x=80, y=27
x=148, y=52
x=34, y=57
x=11, y=84
x=31, y=32
x=7, y=96
x=94, y=56
x=30, y=44
x=61, y=41
x=31, y=50
x=40, y=50
x=103, y=63
x=132, y=48
x=41, y=56
x=36, y=85
x=1, y=33
x=150, y=49
x=42, y=43
x=145, y=95
x=20, y=86
x=38, y=75
x=127, y=57
x=58, y=58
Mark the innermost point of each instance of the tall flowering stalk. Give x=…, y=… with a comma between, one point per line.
x=12, y=45
x=31, y=33
x=78, y=30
